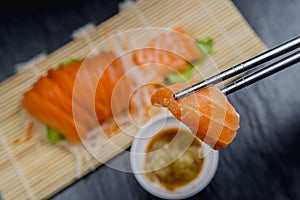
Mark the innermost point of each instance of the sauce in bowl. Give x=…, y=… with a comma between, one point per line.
x=146, y=160
x=173, y=158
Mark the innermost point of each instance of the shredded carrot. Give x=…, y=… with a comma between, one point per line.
x=25, y=136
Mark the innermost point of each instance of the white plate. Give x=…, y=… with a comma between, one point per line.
x=137, y=161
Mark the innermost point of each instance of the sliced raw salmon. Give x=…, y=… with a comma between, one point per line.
x=44, y=110
x=89, y=92
x=207, y=113
x=174, y=50
x=75, y=93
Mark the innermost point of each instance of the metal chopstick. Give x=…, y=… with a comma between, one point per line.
x=262, y=73
x=242, y=67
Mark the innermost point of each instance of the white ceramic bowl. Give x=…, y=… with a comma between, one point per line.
x=137, y=161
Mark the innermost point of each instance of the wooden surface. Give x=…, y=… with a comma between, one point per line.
x=262, y=163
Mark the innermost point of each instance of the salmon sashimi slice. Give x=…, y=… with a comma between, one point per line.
x=207, y=113
x=64, y=77
x=54, y=94
x=174, y=50
x=46, y=111
x=104, y=71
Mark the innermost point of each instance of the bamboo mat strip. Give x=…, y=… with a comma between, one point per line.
x=37, y=170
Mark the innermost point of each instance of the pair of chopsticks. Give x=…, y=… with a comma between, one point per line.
x=247, y=65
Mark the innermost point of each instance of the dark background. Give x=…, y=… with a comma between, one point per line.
x=262, y=162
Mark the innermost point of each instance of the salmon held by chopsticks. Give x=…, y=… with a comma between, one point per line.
x=207, y=113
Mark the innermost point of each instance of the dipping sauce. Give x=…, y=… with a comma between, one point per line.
x=173, y=158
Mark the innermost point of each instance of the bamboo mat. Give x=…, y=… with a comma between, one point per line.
x=39, y=170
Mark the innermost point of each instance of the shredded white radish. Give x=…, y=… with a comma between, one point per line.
x=81, y=157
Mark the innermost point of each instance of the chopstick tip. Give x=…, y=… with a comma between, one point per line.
x=176, y=96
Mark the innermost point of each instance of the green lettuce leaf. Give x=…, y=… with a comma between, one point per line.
x=183, y=76
x=68, y=61
x=206, y=47
x=53, y=135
